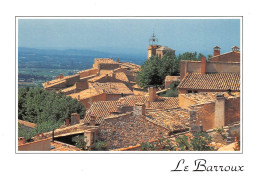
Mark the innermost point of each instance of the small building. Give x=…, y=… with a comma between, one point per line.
x=202, y=76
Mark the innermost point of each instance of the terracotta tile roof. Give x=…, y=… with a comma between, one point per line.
x=58, y=81
x=69, y=88
x=26, y=123
x=100, y=110
x=112, y=88
x=171, y=119
x=121, y=76
x=217, y=81
x=165, y=103
x=59, y=146
x=159, y=103
x=94, y=79
x=85, y=94
x=205, y=97
x=104, y=72
x=132, y=66
x=105, y=60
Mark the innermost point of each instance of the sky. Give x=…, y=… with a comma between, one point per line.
x=129, y=35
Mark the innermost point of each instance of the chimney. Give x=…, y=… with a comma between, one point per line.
x=216, y=51
x=235, y=49
x=92, y=121
x=117, y=60
x=67, y=122
x=219, y=111
x=21, y=140
x=152, y=93
x=75, y=118
x=203, y=65
x=139, y=109
x=113, y=74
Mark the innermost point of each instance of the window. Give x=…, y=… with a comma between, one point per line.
x=189, y=91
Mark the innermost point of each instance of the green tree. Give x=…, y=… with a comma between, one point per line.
x=80, y=142
x=154, y=70
x=188, y=56
x=47, y=109
x=100, y=146
x=172, y=91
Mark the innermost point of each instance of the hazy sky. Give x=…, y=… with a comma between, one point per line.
x=124, y=35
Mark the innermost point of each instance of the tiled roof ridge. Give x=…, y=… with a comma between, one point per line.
x=225, y=53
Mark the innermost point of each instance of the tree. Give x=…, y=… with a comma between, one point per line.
x=173, y=91
x=188, y=56
x=80, y=142
x=47, y=109
x=154, y=70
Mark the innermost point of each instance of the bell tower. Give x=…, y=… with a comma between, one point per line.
x=152, y=46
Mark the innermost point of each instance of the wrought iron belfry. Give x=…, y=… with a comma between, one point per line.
x=153, y=40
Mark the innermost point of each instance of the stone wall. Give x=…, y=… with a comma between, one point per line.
x=128, y=130
x=107, y=66
x=88, y=101
x=232, y=110
x=204, y=114
x=72, y=80
x=88, y=72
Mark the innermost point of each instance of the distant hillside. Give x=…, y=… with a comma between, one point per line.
x=89, y=55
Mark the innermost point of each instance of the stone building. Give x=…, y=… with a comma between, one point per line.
x=158, y=50
x=202, y=76
x=140, y=125
x=107, y=80
x=211, y=110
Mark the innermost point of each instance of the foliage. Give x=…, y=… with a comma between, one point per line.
x=100, y=146
x=172, y=91
x=188, y=142
x=154, y=70
x=47, y=109
x=80, y=141
x=201, y=142
x=221, y=131
x=26, y=133
x=209, y=56
x=188, y=56
x=162, y=144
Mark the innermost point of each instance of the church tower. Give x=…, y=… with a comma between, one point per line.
x=152, y=46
